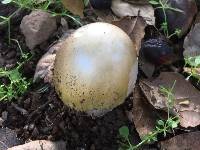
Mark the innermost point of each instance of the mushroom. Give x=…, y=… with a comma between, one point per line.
x=95, y=69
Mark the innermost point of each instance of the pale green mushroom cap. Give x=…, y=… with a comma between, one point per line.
x=96, y=68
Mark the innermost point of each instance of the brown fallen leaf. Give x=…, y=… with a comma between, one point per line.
x=192, y=40
x=105, y=15
x=44, y=68
x=187, y=103
x=74, y=6
x=143, y=120
x=134, y=27
x=132, y=7
x=147, y=67
x=187, y=141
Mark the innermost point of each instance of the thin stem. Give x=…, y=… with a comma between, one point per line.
x=174, y=9
x=130, y=145
x=8, y=21
x=22, y=53
x=9, y=33
x=165, y=17
x=75, y=20
x=144, y=141
x=172, y=35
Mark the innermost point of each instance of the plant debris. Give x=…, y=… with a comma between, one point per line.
x=134, y=27
x=75, y=6
x=143, y=120
x=182, y=141
x=186, y=97
x=123, y=9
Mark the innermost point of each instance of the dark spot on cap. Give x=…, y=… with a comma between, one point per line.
x=82, y=101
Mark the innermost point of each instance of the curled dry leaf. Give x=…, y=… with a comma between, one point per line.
x=134, y=27
x=190, y=141
x=44, y=68
x=105, y=15
x=143, y=120
x=132, y=8
x=186, y=104
x=74, y=6
x=147, y=67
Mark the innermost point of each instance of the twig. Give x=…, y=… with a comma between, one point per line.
x=21, y=110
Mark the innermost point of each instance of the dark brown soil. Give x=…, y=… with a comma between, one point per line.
x=48, y=118
x=43, y=116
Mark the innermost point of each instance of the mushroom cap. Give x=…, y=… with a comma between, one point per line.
x=96, y=68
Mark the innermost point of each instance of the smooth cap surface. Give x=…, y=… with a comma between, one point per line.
x=96, y=68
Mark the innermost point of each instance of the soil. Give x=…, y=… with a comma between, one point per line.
x=38, y=115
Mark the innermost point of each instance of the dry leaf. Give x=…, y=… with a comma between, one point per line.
x=123, y=9
x=105, y=15
x=74, y=6
x=192, y=40
x=147, y=67
x=189, y=113
x=134, y=27
x=143, y=120
x=187, y=141
x=44, y=68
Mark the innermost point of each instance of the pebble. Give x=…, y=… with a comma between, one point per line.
x=37, y=27
x=41, y=145
x=4, y=115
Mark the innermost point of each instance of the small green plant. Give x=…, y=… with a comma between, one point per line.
x=86, y=2
x=194, y=64
x=162, y=126
x=17, y=84
x=163, y=4
x=168, y=92
x=57, y=10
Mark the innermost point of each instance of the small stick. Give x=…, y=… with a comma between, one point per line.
x=21, y=110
